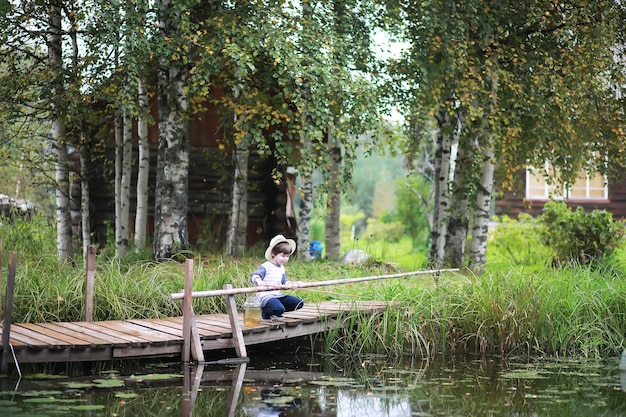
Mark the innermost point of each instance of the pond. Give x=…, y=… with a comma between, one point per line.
x=290, y=384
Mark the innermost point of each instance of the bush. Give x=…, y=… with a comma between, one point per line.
x=517, y=242
x=390, y=232
x=577, y=236
x=30, y=237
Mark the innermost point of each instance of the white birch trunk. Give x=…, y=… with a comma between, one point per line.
x=442, y=193
x=122, y=221
x=459, y=202
x=143, y=173
x=482, y=212
x=57, y=141
x=304, y=220
x=62, y=178
x=306, y=193
x=238, y=221
x=333, y=205
x=171, y=196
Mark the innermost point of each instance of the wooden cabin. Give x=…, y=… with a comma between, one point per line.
x=589, y=192
x=211, y=172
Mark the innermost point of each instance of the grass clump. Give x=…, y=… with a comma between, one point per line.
x=522, y=305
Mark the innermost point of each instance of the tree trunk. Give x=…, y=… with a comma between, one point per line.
x=459, y=202
x=236, y=233
x=171, y=195
x=85, y=212
x=122, y=219
x=143, y=173
x=482, y=212
x=442, y=183
x=118, y=132
x=58, y=140
x=333, y=205
x=306, y=194
x=304, y=220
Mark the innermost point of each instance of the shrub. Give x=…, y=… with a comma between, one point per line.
x=391, y=232
x=577, y=236
x=29, y=237
x=517, y=241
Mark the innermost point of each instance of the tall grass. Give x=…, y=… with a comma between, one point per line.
x=560, y=312
x=510, y=310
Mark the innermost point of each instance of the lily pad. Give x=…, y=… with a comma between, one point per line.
x=77, y=385
x=44, y=376
x=109, y=383
x=126, y=395
x=155, y=377
x=93, y=407
x=41, y=400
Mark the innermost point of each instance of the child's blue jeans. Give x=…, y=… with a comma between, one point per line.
x=277, y=306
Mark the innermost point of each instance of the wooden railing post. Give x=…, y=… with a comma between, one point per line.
x=231, y=306
x=8, y=312
x=191, y=336
x=187, y=311
x=90, y=282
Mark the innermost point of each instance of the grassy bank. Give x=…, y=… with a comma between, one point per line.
x=512, y=309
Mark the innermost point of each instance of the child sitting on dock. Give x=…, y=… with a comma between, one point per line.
x=272, y=273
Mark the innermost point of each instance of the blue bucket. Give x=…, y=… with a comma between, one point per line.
x=316, y=249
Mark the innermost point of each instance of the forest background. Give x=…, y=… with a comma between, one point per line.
x=483, y=91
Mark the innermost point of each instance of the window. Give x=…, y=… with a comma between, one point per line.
x=588, y=186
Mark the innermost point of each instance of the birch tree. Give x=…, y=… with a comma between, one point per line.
x=143, y=169
x=171, y=201
x=236, y=233
x=58, y=140
x=531, y=49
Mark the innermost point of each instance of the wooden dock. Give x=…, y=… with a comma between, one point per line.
x=150, y=338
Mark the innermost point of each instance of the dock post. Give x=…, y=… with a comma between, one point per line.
x=231, y=306
x=187, y=310
x=8, y=312
x=90, y=282
x=191, y=337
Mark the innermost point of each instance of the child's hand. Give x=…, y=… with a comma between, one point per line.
x=297, y=283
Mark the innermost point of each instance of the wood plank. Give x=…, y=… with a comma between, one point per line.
x=141, y=333
x=220, y=320
x=98, y=332
x=14, y=343
x=148, y=351
x=62, y=355
x=205, y=329
x=34, y=339
x=161, y=326
x=21, y=341
x=63, y=328
x=67, y=340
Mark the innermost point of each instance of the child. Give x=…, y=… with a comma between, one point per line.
x=272, y=273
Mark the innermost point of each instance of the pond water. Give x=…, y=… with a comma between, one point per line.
x=274, y=384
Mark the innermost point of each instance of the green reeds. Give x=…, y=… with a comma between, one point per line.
x=573, y=310
x=557, y=312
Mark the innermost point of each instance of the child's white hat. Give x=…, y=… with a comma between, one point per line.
x=275, y=241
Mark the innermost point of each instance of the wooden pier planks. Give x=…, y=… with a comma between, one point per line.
x=120, y=339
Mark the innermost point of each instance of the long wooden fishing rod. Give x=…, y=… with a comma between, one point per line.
x=248, y=290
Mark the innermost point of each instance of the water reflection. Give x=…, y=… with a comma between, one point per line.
x=298, y=386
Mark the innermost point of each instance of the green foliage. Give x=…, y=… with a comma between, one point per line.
x=412, y=209
x=30, y=237
x=577, y=236
x=566, y=311
x=390, y=232
x=517, y=242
